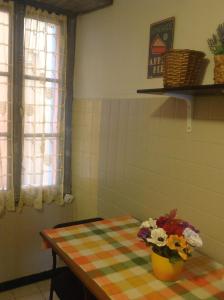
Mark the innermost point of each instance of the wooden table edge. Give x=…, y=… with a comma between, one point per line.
x=82, y=275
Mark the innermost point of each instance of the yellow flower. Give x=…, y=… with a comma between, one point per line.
x=185, y=253
x=178, y=243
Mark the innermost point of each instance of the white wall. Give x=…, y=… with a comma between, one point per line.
x=144, y=161
x=21, y=252
x=112, y=44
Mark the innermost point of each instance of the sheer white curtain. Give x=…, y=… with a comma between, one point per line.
x=43, y=108
x=6, y=149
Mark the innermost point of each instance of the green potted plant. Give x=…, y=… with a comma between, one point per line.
x=216, y=45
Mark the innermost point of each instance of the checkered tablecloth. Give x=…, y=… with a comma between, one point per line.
x=112, y=255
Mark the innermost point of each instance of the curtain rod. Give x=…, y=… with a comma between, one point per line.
x=50, y=8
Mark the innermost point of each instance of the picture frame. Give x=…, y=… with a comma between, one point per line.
x=160, y=40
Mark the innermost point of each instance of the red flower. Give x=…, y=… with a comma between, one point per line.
x=167, y=218
x=174, y=227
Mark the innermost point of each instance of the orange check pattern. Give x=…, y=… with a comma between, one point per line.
x=111, y=254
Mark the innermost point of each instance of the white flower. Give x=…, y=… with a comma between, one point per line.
x=145, y=224
x=192, y=237
x=158, y=237
x=150, y=224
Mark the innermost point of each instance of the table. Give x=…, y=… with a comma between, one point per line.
x=114, y=264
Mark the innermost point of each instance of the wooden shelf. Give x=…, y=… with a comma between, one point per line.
x=187, y=93
x=198, y=90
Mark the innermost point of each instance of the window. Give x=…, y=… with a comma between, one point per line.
x=5, y=103
x=43, y=132
x=42, y=104
x=32, y=105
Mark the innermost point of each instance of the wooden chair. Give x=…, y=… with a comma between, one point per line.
x=63, y=282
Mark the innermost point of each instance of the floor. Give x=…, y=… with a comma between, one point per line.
x=36, y=291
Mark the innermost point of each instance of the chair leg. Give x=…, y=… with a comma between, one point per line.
x=51, y=291
x=52, y=276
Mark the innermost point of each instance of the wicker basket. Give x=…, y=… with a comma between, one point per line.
x=182, y=67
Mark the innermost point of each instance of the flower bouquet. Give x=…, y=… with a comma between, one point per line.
x=170, y=238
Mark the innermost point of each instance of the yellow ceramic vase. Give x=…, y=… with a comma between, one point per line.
x=163, y=269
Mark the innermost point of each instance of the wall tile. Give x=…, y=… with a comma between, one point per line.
x=143, y=162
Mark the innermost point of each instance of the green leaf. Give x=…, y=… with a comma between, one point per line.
x=219, y=49
x=174, y=259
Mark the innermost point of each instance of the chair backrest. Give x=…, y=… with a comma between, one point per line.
x=78, y=222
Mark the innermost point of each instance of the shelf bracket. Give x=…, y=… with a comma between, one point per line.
x=189, y=102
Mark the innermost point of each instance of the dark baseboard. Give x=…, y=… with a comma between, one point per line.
x=15, y=283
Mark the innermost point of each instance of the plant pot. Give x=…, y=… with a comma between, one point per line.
x=164, y=270
x=219, y=69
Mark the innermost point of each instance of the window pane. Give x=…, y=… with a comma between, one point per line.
x=41, y=49
x=42, y=107
x=3, y=104
x=3, y=163
x=5, y=124
x=40, y=161
x=4, y=40
x=43, y=111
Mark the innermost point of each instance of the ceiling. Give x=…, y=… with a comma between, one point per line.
x=71, y=6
